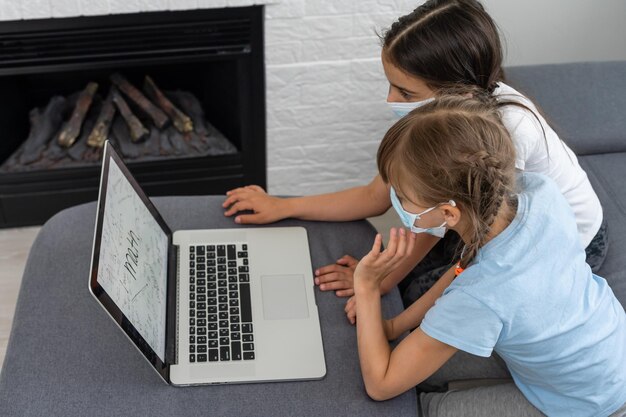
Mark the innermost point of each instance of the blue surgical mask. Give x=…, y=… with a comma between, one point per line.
x=409, y=219
x=401, y=109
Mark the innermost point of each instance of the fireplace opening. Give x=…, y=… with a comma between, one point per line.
x=57, y=74
x=147, y=124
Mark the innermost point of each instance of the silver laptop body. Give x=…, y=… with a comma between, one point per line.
x=204, y=306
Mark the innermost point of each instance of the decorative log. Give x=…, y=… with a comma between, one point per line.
x=159, y=118
x=136, y=128
x=153, y=143
x=100, y=131
x=191, y=106
x=71, y=130
x=166, y=146
x=79, y=148
x=43, y=126
x=127, y=148
x=181, y=121
x=212, y=140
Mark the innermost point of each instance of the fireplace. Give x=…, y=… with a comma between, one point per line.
x=214, y=56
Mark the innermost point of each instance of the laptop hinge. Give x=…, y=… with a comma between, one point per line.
x=172, y=305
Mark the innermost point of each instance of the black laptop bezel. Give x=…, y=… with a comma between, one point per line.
x=162, y=367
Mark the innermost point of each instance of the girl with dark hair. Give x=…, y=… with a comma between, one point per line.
x=441, y=45
x=558, y=327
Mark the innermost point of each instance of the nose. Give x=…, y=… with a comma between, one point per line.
x=389, y=93
x=393, y=96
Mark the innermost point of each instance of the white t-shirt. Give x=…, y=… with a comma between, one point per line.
x=550, y=156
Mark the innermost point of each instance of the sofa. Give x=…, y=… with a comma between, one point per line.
x=586, y=104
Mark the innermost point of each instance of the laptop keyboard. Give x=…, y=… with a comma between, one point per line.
x=220, y=312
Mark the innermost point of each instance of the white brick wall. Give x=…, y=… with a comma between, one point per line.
x=326, y=90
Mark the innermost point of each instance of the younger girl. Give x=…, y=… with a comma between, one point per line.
x=522, y=287
x=440, y=45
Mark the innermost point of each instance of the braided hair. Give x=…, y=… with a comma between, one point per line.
x=455, y=148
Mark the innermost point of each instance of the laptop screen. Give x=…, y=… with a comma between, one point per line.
x=132, y=264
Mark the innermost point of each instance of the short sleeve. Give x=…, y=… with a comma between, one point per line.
x=462, y=321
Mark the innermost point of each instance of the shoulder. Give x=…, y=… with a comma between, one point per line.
x=537, y=186
x=517, y=111
x=505, y=92
x=525, y=124
x=544, y=211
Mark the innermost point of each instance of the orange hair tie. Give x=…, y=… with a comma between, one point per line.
x=457, y=268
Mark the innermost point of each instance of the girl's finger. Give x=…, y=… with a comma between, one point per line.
x=256, y=188
x=402, y=244
x=233, y=199
x=347, y=260
x=349, y=304
x=334, y=285
x=239, y=206
x=393, y=242
x=329, y=277
x=411, y=242
x=229, y=200
x=378, y=240
x=328, y=269
x=234, y=191
x=348, y=292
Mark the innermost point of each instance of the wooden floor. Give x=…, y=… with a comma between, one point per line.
x=15, y=245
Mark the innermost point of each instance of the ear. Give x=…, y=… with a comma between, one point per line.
x=451, y=214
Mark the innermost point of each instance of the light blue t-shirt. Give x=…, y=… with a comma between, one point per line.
x=530, y=296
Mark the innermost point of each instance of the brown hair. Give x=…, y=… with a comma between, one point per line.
x=455, y=148
x=447, y=42
x=451, y=44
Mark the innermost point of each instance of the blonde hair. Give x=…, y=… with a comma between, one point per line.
x=455, y=148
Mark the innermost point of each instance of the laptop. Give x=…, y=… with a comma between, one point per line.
x=204, y=306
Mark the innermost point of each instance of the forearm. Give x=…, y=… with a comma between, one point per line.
x=423, y=244
x=346, y=205
x=374, y=350
x=413, y=316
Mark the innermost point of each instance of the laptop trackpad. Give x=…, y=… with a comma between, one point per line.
x=284, y=297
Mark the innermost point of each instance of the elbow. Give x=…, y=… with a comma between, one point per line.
x=378, y=393
x=382, y=209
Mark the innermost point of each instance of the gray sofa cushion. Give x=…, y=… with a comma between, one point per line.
x=607, y=173
x=584, y=102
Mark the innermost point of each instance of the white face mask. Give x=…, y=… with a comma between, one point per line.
x=401, y=109
x=409, y=219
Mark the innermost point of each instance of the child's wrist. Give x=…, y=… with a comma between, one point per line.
x=366, y=287
x=288, y=208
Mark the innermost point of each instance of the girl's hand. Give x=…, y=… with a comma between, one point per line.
x=350, y=310
x=267, y=209
x=338, y=277
x=376, y=265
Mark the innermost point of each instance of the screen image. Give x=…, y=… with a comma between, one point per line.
x=132, y=265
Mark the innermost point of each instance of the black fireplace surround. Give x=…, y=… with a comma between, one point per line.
x=216, y=54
